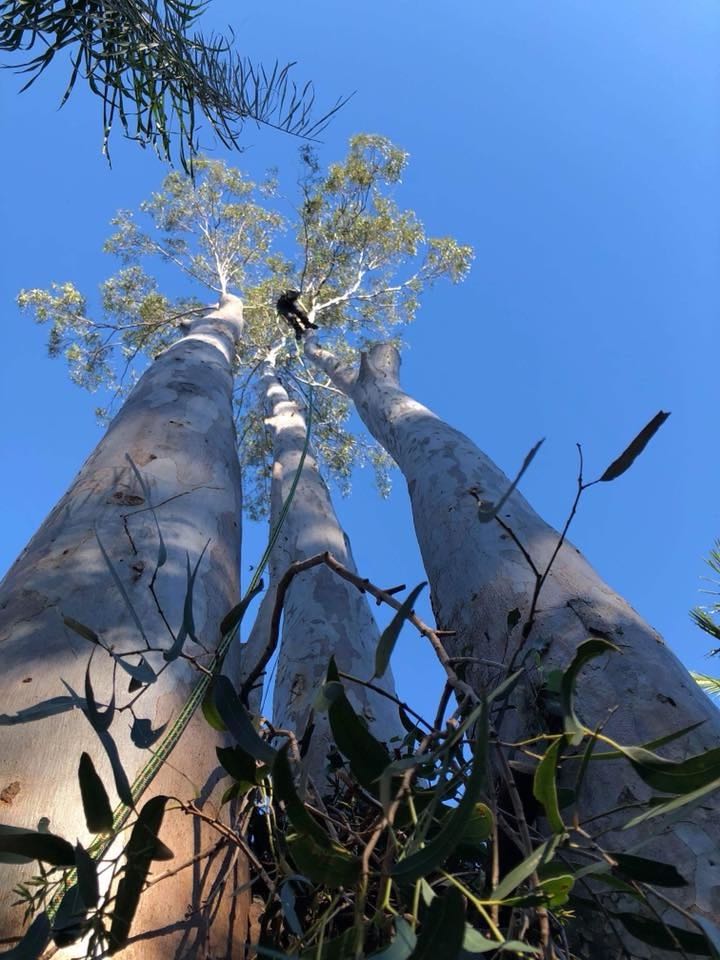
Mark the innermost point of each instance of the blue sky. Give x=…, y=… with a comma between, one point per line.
x=575, y=145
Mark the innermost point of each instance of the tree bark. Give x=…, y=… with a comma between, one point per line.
x=177, y=426
x=478, y=575
x=323, y=616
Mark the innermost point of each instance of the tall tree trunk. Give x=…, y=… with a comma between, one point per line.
x=177, y=426
x=478, y=575
x=323, y=616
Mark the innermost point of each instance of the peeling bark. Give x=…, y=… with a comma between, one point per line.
x=478, y=575
x=323, y=615
x=177, y=426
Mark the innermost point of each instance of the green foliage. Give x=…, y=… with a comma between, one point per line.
x=440, y=867
x=361, y=261
x=153, y=75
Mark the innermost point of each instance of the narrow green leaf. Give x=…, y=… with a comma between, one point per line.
x=139, y=854
x=661, y=809
x=422, y=862
x=390, y=634
x=48, y=847
x=95, y=801
x=239, y=764
x=545, y=786
x=210, y=710
x=332, y=866
x=585, y=652
x=522, y=871
x=33, y=944
x=232, y=619
x=366, y=755
x=238, y=722
x=443, y=929
x=479, y=826
x=635, y=448
x=673, y=776
x=299, y=817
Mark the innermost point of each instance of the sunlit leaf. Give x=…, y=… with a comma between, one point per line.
x=545, y=786
x=585, y=652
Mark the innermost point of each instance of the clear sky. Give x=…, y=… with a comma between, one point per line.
x=576, y=145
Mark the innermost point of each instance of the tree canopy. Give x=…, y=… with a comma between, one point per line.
x=361, y=261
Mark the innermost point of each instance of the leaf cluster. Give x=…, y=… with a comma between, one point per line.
x=154, y=74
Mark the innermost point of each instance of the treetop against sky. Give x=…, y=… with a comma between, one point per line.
x=361, y=261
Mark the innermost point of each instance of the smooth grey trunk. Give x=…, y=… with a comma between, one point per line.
x=177, y=426
x=323, y=615
x=478, y=575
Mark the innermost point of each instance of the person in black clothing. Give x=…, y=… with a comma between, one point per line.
x=290, y=309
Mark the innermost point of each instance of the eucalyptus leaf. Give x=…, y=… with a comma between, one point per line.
x=402, y=945
x=522, y=871
x=390, y=634
x=330, y=865
x=439, y=848
x=443, y=929
x=366, y=755
x=545, y=786
x=303, y=822
x=585, y=652
x=635, y=448
x=238, y=722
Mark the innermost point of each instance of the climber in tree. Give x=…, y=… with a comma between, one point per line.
x=291, y=310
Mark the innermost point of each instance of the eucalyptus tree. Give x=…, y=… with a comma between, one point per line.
x=514, y=593
x=154, y=73
x=126, y=582
x=362, y=264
